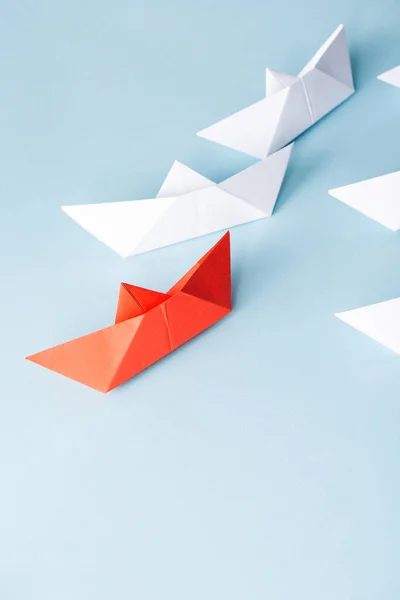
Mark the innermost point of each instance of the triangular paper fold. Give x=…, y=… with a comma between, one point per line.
x=333, y=58
x=295, y=117
x=292, y=104
x=251, y=129
x=202, y=207
x=148, y=325
x=275, y=81
x=392, y=77
x=380, y=322
x=94, y=358
x=377, y=198
x=322, y=92
x=201, y=282
x=181, y=179
x=259, y=185
x=134, y=301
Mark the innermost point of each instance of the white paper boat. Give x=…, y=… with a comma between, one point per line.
x=188, y=205
x=292, y=104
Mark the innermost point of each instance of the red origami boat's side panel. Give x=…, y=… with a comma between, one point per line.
x=205, y=295
x=92, y=359
x=223, y=242
x=212, y=279
x=187, y=316
x=150, y=343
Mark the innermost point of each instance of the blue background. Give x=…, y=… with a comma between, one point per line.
x=261, y=460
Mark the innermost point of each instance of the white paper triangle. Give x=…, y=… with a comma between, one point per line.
x=333, y=59
x=379, y=321
x=323, y=92
x=250, y=130
x=182, y=215
x=138, y=226
x=295, y=117
x=392, y=76
x=182, y=179
x=275, y=81
x=259, y=185
x=377, y=198
x=120, y=225
x=220, y=210
x=268, y=125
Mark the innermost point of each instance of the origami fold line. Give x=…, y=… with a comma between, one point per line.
x=148, y=325
x=380, y=321
x=377, y=198
x=392, y=76
x=188, y=205
x=292, y=104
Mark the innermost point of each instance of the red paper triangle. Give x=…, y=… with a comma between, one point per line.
x=187, y=316
x=150, y=343
x=92, y=359
x=210, y=278
x=134, y=301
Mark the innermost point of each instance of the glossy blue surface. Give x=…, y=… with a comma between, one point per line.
x=261, y=460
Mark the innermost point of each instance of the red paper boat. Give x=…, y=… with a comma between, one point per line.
x=148, y=325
